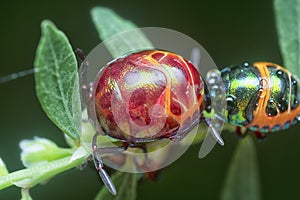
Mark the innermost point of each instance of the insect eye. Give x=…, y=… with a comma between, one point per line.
x=231, y=102
x=232, y=105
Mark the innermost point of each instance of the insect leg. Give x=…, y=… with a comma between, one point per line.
x=242, y=132
x=84, y=165
x=85, y=86
x=99, y=166
x=80, y=54
x=238, y=131
x=260, y=136
x=214, y=132
x=108, y=150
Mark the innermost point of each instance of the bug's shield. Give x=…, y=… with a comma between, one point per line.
x=156, y=154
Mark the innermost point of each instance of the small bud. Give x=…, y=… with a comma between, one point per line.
x=41, y=150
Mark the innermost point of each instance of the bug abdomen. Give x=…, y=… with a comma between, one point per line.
x=278, y=106
x=262, y=97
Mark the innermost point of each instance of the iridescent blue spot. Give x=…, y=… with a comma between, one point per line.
x=287, y=125
x=253, y=128
x=295, y=121
x=276, y=128
x=265, y=129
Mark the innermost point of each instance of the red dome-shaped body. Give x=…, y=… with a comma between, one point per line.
x=147, y=96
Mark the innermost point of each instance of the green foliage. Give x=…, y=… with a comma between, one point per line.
x=57, y=80
x=126, y=184
x=3, y=169
x=58, y=92
x=108, y=24
x=242, y=181
x=287, y=14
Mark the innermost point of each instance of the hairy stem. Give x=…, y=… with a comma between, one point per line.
x=33, y=175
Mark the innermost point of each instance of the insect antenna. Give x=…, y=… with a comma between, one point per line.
x=27, y=72
x=17, y=75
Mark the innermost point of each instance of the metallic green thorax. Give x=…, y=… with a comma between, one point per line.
x=242, y=86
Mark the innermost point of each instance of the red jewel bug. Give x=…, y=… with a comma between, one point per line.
x=145, y=96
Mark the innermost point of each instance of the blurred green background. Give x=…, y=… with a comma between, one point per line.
x=232, y=31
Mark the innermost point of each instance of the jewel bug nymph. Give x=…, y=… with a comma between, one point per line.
x=262, y=96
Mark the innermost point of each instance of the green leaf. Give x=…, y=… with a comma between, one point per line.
x=108, y=24
x=287, y=15
x=242, y=180
x=126, y=185
x=3, y=169
x=40, y=150
x=57, y=80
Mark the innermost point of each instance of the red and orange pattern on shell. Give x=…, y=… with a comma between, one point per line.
x=148, y=95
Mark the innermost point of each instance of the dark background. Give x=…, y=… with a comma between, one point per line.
x=232, y=31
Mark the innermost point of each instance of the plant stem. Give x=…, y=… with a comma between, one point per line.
x=33, y=175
